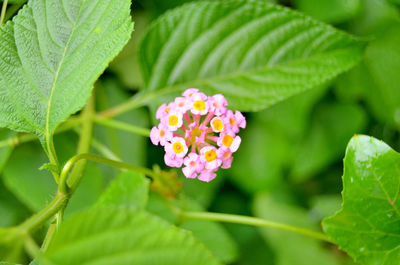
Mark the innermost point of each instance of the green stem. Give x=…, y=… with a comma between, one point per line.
x=3, y=12
x=72, y=181
x=246, y=220
x=84, y=140
x=123, y=126
x=45, y=214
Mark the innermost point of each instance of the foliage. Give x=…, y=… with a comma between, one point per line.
x=80, y=182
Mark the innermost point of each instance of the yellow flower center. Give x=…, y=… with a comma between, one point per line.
x=178, y=147
x=210, y=155
x=218, y=125
x=173, y=120
x=167, y=109
x=199, y=105
x=227, y=140
x=162, y=133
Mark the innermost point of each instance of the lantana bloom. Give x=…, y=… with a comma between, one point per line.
x=198, y=133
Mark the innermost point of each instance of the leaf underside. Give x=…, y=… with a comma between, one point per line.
x=368, y=225
x=255, y=53
x=50, y=55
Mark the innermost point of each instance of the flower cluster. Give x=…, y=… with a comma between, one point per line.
x=198, y=132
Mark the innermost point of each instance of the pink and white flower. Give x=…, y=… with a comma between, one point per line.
x=209, y=156
x=160, y=135
x=234, y=121
x=207, y=175
x=229, y=141
x=177, y=147
x=193, y=166
x=173, y=120
x=199, y=104
x=202, y=125
x=218, y=104
x=226, y=157
x=163, y=110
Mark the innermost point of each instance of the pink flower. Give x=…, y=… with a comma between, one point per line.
x=207, y=175
x=199, y=104
x=181, y=104
x=174, y=120
x=202, y=125
x=234, y=121
x=217, y=124
x=226, y=157
x=160, y=135
x=173, y=161
x=218, y=104
x=190, y=92
x=230, y=141
x=209, y=156
x=163, y=110
x=193, y=165
x=177, y=147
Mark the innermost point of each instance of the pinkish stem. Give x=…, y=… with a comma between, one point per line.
x=197, y=119
x=187, y=118
x=208, y=118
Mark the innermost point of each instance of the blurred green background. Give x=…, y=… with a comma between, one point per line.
x=289, y=165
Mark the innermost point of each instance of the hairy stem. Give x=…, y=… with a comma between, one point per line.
x=123, y=126
x=247, y=220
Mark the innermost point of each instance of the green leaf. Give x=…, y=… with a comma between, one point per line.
x=123, y=236
x=129, y=190
x=50, y=56
x=291, y=248
x=253, y=52
x=333, y=11
x=368, y=225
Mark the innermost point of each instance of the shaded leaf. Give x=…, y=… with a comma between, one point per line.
x=368, y=225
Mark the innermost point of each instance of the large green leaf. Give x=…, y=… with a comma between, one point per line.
x=50, y=56
x=368, y=225
x=253, y=52
x=123, y=236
